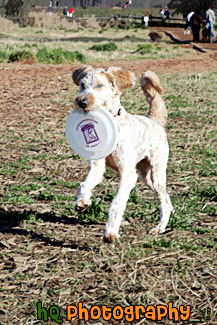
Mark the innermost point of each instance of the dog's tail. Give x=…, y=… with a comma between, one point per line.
x=150, y=84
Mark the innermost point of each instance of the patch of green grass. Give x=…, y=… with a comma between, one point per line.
x=155, y=242
x=32, y=218
x=135, y=197
x=12, y=197
x=59, y=55
x=209, y=192
x=3, y=56
x=60, y=182
x=30, y=45
x=46, y=196
x=11, y=168
x=94, y=213
x=144, y=48
x=111, y=46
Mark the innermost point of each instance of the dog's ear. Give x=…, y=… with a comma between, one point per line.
x=80, y=73
x=122, y=78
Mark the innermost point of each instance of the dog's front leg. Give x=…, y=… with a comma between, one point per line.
x=94, y=177
x=116, y=211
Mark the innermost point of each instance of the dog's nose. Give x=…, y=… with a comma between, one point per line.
x=83, y=103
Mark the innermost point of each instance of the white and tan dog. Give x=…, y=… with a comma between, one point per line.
x=142, y=146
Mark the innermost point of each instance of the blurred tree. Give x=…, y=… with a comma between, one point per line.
x=12, y=7
x=185, y=6
x=15, y=8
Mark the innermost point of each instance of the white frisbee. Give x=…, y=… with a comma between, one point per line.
x=92, y=135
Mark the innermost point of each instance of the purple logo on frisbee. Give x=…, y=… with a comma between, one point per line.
x=89, y=133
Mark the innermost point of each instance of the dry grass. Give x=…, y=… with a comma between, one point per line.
x=127, y=41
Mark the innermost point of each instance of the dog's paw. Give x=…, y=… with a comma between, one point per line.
x=109, y=238
x=157, y=230
x=80, y=206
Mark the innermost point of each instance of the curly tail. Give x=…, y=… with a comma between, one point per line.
x=150, y=84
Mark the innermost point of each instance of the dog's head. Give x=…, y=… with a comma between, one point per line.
x=101, y=88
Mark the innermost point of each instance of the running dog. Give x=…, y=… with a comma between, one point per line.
x=142, y=146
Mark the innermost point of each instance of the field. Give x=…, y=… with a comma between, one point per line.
x=52, y=254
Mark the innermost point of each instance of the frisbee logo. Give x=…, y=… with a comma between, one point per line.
x=89, y=133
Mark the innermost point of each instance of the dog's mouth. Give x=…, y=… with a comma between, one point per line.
x=85, y=104
x=86, y=109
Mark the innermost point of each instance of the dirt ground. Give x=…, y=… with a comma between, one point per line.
x=40, y=260
x=23, y=84
x=19, y=80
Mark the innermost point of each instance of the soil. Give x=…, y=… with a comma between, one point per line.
x=28, y=81
x=39, y=74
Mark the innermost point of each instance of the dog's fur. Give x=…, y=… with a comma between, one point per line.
x=142, y=146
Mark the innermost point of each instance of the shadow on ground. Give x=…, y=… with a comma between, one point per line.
x=75, y=39
x=10, y=221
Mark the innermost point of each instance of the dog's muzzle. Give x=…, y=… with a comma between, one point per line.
x=83, y=103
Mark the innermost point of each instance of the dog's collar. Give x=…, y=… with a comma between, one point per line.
x=118, y=113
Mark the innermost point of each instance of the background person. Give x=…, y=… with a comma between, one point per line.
x=71, y=12
x=146, y=19
x=210, y=20
x=126, y=5
x=188, y=22
x=50, y=4
x=196, y=20
x=162, y=11
x=167, y=13
x=65, y=11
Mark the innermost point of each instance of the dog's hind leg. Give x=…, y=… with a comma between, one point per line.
x=156, y=180
x=158, y=177
x=116, y=211
x=94, y=177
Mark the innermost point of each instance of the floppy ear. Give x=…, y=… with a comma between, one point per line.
x=80, y=73
x=123, y=79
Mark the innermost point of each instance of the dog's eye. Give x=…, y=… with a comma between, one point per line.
x=98, y=86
